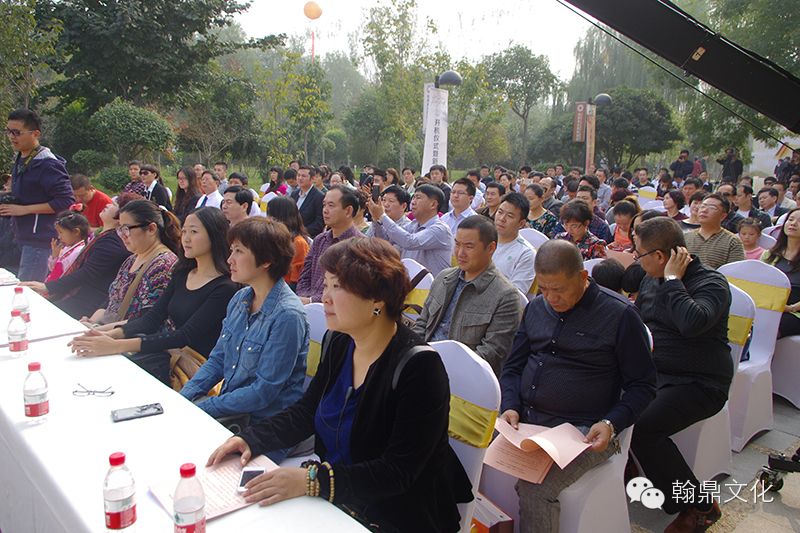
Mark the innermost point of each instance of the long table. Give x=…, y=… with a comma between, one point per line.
x=47, y=320
x=51, y=475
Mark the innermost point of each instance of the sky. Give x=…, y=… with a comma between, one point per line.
x=470, y=29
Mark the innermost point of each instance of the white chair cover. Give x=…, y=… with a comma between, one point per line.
x=658, y=205
x=471, y=380
x=420, y=292
x=786, y=369
x=535, y=237
x=750, y=399
x=766, y=241
x=590, y=263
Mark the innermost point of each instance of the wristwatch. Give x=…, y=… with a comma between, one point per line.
x=608, y=422
x=671, y=277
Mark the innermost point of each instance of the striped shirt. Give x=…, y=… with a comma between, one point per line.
x=720, y=249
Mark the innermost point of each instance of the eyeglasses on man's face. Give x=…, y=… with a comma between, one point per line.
x=637, y=255
x=17, y=133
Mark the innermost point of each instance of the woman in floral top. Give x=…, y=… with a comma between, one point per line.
x=152, y=235
x=539, y=218
x=575, y=217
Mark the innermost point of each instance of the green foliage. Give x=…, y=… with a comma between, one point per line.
x=220, y=118
x=140, y=51
x=90, y=161
x=25, y=48
x=73, y=133
x=366, y=128
x=311, y=104
x=113, y=179
x=637, y=123
x=523, y=79
x=338, y=154
x=131, y=131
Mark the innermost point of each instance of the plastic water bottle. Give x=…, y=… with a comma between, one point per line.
x=119, y=495
x=17, y=334
x=35, y=390
x=20, y=301
x=189, y=502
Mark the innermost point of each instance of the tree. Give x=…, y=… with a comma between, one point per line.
x=140, y=51
x=311, y=103
x=340, y=152
x=131, y=131
x=392, y=41
x=523, y=79
x=25, y=47
x=366, y=127
x=637, y=123
x=220, y=115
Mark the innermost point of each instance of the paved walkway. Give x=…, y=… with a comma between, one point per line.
x=781, y=515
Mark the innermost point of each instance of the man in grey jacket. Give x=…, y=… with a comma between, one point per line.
x=473, y=303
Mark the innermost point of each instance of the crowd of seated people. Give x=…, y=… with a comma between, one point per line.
x=223, y=271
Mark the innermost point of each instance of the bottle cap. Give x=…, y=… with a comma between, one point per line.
x=18, y=290
x=116, y=459
x=188, y=470
x=34, y=367
x=16, y=312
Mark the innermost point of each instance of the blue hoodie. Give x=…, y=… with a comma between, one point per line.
x=44, y=181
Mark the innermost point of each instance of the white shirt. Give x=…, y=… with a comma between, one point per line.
x=452, y=220
x=302, y=197
x=477, y=202
x=787, y=203
x=515, y=260
x=211, y=200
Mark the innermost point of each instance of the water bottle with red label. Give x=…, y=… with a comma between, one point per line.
x=189, y=503
x=119, y=496
x=20, y=301
x=35, y=391
x=17, y=334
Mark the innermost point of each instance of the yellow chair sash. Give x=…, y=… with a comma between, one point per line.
x=765, y=296
x=534, y=287
x=645, y=193
x=470, y=423
x=312, y=361
x=739, y=329
x=416, y=297
x=453, y=261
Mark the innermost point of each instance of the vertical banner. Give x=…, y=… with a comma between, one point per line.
x=426, y=100
x=435, y=152
x=591, y=115
x=579, y=125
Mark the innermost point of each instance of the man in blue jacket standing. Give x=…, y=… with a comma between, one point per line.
x=40, y=188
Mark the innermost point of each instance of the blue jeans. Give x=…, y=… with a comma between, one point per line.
x=33, y=263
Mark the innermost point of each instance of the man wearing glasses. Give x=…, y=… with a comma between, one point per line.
x=40, y=188
x=713, y=244
x=685, y=304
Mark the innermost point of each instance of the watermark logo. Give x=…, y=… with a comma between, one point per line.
x=641, y=489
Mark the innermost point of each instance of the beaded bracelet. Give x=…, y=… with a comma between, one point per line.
x=312, y=484
x=327, y=465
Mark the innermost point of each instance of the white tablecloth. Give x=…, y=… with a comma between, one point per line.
x=47, y=320
x=51, y=475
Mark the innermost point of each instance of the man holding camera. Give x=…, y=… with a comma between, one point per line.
x=684, y=165
x=40, y=188
x=732, y=166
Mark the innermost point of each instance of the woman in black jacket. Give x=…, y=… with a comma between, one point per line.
x=155, y=191
x=378, y=407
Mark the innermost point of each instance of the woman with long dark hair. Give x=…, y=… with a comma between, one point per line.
x=785, y=256
x=195, y=300
x=284, y=209
x=188, y=193
x=276, y=182
x=153, y=236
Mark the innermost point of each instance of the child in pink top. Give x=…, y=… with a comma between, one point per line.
x=749, y=233
x=73, y=233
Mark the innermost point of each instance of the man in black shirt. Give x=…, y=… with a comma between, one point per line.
x=579, y=346
x=685, y=304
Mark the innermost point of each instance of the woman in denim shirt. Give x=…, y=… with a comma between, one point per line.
x=262, y=349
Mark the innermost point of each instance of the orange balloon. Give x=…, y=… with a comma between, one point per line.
x=312, y=10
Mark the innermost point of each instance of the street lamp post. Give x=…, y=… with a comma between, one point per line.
x=585, y=122
x=434, y=120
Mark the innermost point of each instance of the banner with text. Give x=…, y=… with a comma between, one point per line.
x=435, y=152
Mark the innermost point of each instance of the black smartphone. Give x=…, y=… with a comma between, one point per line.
x=129, y=413
x=248, y=473
x=376, y=193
